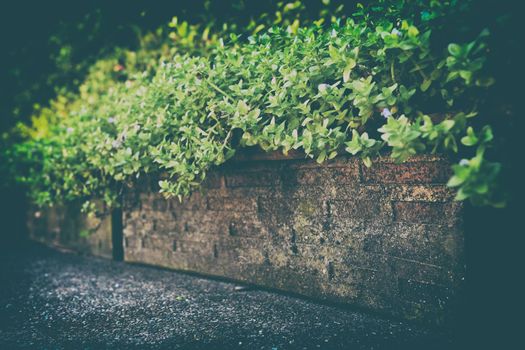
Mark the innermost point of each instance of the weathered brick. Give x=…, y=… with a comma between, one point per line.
x=367, y=287
x=345, y=175
x=213, y=180
x=307, y=176
x=68, y=227
x=338, y=162
x=152, y=241
x=243, y=250
x=203, y=224
x=422, y=272
x=238, y=204
x=194, y=247
x=408, y=172
x=193, y=202
x=426, y=243
x=427, y=212
x=245, y=228
x=253, y=179
x=159, y=204
x=420, y=193
x=274, y=213
x=320, y=176
x=360, y=210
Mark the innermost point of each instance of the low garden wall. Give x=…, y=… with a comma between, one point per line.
x=387, y=238
x=67, y=227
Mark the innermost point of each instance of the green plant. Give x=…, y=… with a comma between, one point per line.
x=179, y=109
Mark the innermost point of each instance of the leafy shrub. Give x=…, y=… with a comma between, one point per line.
x=380, y=80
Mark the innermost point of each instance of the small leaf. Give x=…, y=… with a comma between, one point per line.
x=455, y=181
x=348, y=69
x=321, y=157
x=448, y=124
x=425, y=85
x=454, y=49
x=413, y=31
x=461, y=195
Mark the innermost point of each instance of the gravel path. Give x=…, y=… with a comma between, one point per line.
x=50, y=299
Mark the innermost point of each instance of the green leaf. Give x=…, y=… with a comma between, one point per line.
x=413, y=31
x=321, y=157
x=425, y=85
x=454, y=49
x=448, y=124
x=486, y=134
x=485, y=81
x=470, y=139
x=455, y=181
x=348, y=69
x=461, y=195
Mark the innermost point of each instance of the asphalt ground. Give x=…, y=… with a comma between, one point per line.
x=59, y=300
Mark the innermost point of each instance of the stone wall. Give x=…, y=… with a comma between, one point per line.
x=67, y=227
x=387, y=238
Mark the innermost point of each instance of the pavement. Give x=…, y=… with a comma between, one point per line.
x=59, y=300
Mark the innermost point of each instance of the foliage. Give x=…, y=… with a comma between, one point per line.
x=380, y=80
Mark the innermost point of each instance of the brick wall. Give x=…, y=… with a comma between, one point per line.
x=387, y=238
x=67, y=227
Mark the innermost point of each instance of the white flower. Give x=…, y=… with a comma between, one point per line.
x=386, y=113
x=333, y=34
x=396, y=32
x=111, y=120
x=141, y=91
x=70, y=130
x=116, y=143
x=323, y=87
x=464, y=162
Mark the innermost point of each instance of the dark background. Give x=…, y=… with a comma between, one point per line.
x=32, y=34
x=33, y=65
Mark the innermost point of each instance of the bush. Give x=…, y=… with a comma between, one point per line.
x=381, y=80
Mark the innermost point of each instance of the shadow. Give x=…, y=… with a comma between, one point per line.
x=13, y=212
x=492, y=305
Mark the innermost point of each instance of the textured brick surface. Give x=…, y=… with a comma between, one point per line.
x=67, y=227
x=387, y=238
x=420, y=170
